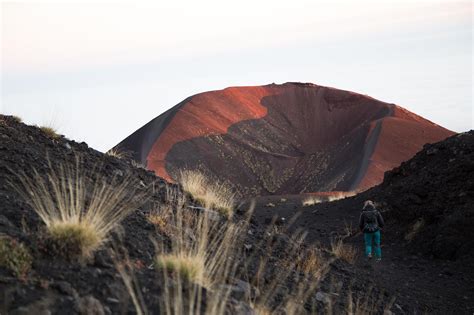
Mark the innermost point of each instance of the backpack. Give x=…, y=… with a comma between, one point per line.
x=370, y=220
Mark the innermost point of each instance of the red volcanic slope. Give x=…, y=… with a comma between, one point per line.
x=206, y=114
x=283, y=139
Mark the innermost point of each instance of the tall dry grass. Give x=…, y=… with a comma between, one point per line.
x=198, y=259
x=343, y=251
x=50, y=131
x=205, y=257
x=118, y=153
x=295, y=272
x=79, y=208
x=210, y=193
x=368, y=304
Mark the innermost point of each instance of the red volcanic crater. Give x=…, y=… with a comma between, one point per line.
x=283, y=139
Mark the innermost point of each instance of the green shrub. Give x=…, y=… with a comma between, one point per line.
x=15, y=256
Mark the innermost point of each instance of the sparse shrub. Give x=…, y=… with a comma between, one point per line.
x=15, y=256
x=79, y=212
x=343, y=251
x=212, y=195
x=311, y=200
x=187, y=267
x=50, y=132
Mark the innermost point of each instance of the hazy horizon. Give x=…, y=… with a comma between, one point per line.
x=99, y=72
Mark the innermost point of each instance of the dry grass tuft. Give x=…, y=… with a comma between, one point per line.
x=125, y=268
x=348, y=230
x=197, y=238
x=15, y=256
x=186, y=267
x=311, y=200
x=162, y=216
x=79, y=212
x=73, y=238
x=201, y=254
x=159, y=221
x=50, y=132
x=137, y=164
x=369, y=303
x=341, y=195
x=117, y=153
x=303, y=268
x=415, y=229
x=333, y=196
x=310, y=261
x=211, y=194
x=17, y=119
x=343, y=251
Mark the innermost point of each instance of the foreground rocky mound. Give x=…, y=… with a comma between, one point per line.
x=283, y=139
x=260, y=269
x=43, y=281
x=431, y=197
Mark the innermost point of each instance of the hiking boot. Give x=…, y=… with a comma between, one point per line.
x=378, y=259
x=369, y=256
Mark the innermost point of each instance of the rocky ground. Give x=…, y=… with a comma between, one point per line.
x=422, y=271
x=428, y=206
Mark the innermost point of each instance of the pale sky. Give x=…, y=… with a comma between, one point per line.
x=98, y=72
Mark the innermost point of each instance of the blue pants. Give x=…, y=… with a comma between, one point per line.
x=375, y=237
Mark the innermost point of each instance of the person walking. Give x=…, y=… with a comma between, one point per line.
x=371, y=222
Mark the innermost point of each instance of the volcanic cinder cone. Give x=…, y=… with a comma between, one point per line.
x=283, y=139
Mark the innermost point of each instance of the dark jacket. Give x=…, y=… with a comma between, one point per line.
x=363, y=218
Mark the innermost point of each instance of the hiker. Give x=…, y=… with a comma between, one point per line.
x=371, y=222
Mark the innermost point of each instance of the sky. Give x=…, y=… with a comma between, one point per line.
x=98, y=71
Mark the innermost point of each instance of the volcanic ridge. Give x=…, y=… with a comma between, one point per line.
x=282, y=139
